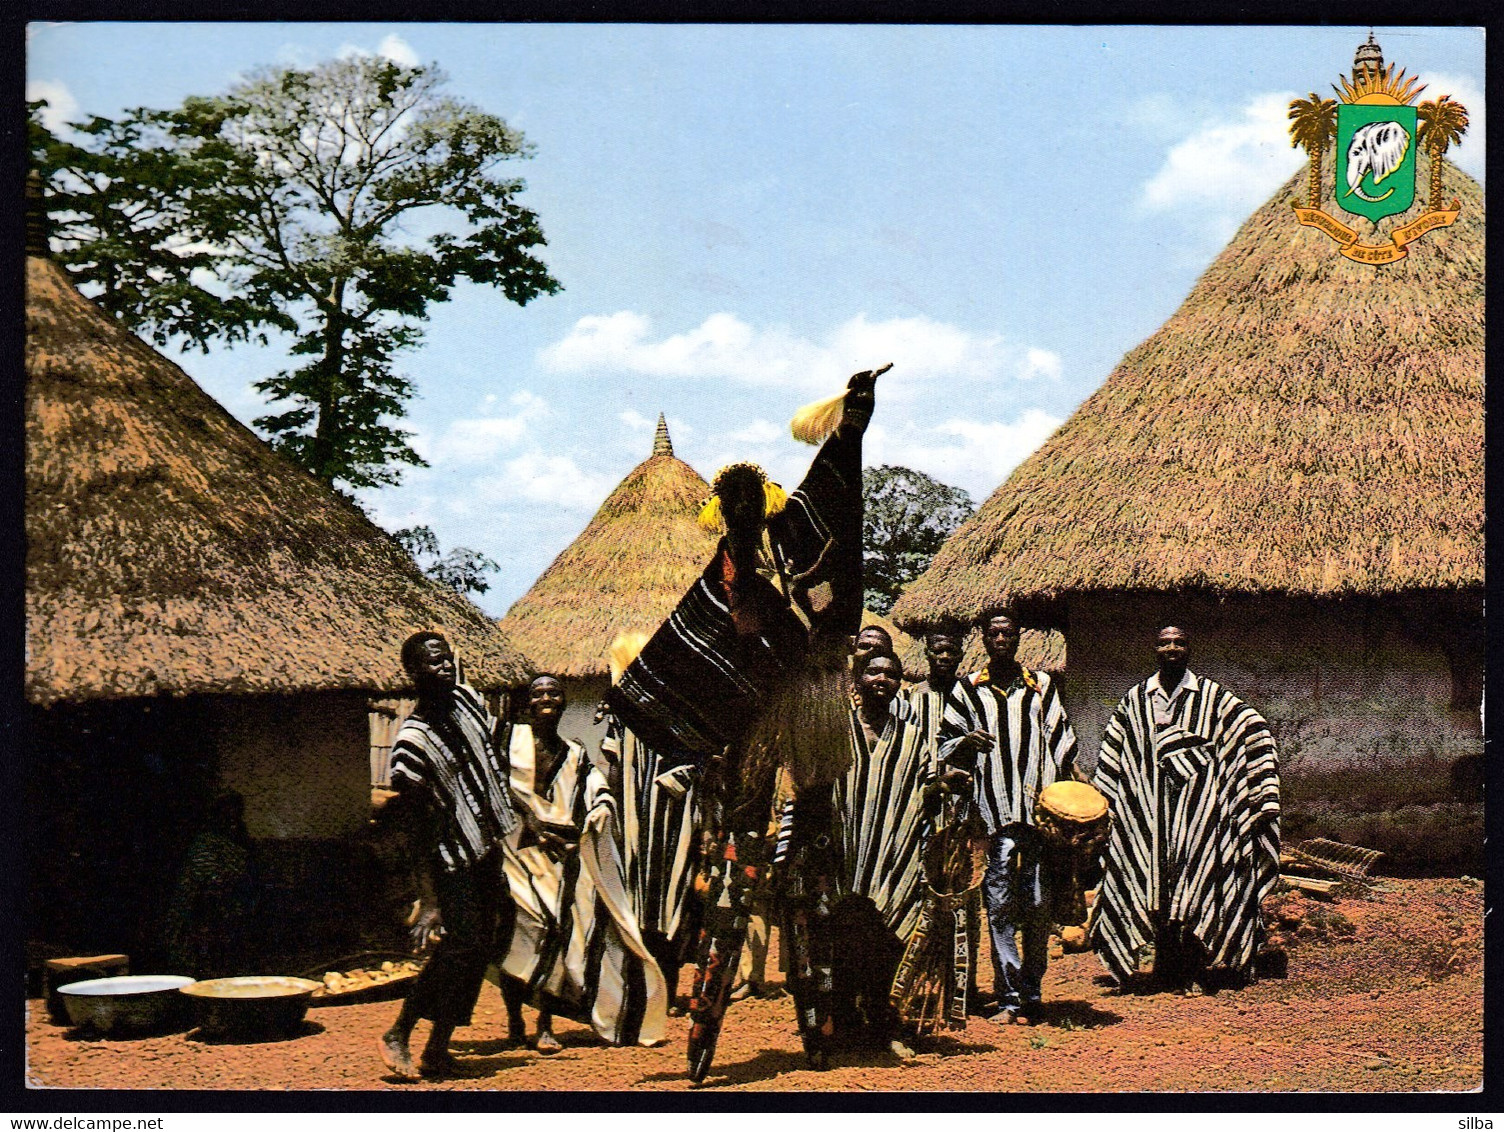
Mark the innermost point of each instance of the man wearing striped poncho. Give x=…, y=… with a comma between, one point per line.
x=449, y=791
x=1192, y=776
x=1007, y=726
x=576, y=948
x=880, y=823
x=659, y=843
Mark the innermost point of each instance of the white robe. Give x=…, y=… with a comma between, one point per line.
x=576, y=943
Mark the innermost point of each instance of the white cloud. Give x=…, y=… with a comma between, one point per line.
x=535, y=477
x=1164, y=117
x=1040, y=363
x=479, y=440
x=1470, y=154
x=971, y=454
x=61, y=105
x=393, y=47
x=1229, y=166
x=398, y=50
x=1215, y=177
x=759, y=431
x=726, y=348
x=975, y=455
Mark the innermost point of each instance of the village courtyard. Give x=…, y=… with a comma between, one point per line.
x=1290, y=468
x=1383, y=994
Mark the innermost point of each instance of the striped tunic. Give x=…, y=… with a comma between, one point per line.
x=452, y=758
x=880, y=812
x=1033, y=746
x=658, y=843
x=1195, y=836
x=576, y=944
x=926, y=704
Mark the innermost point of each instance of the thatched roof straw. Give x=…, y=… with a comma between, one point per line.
x=169, y=550
x=1302, y=424
x=625, y=571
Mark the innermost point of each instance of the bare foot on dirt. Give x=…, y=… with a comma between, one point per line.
x=396, y=1056
x=547, y=1043
x=438, y=1063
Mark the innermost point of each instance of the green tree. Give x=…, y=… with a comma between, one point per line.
x=906, y=516
x=462, y=569
x=117, y=215
x=286, y=203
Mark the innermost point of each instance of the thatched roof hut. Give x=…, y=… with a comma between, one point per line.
x=1301, y=425
x=1291, y=469
x=625, y=571
x=169, y=550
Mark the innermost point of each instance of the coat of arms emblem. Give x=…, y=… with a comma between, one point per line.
x=1377, y=133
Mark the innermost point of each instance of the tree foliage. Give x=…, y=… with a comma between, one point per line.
x=462, y=569
x=906, y=516
x=291, y=203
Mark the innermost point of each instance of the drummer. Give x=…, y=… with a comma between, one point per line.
x=1006, y=725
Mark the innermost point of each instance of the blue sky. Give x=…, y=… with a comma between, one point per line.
x=742, y=216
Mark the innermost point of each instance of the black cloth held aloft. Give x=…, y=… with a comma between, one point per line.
x=700, y=685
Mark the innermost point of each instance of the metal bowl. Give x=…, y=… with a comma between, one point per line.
x=261, y=1006
x=125, y=1002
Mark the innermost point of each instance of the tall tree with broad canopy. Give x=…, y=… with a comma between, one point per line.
x=906, y=515
x=321, y=202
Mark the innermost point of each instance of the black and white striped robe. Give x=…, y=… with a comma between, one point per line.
x=1195, y=836
x=576, y=943
x=1034, y=745
x=658, y=838
x=879, y=809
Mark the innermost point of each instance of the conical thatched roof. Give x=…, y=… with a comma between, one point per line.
x=1302, y=424
x=171, y=551
x=625, y=571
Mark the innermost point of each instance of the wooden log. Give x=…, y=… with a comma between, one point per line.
x=1314, y=885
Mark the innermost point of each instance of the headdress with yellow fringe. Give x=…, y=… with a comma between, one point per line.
x=773, y=495
x=623, y=652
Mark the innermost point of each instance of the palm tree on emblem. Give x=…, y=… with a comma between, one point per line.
x=1442, y=124
x=1313, y=124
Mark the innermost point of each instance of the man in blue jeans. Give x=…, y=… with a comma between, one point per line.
x=1007, y=726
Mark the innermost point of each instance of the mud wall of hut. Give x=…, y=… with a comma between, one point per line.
x=119, y=789
x=578, y=721
x=301, y=762
x=1375, y=706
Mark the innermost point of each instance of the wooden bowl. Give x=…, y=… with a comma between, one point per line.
x=251, y=1006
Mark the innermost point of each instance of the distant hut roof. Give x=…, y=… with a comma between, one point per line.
x=169, y=550
x=625, y=571
x=1302, y=425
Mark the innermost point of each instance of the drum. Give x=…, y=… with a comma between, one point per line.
x=1074, y=821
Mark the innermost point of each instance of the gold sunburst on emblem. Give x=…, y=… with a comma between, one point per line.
x=1381, y=87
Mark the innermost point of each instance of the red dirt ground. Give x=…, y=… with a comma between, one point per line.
x=1383, y=994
